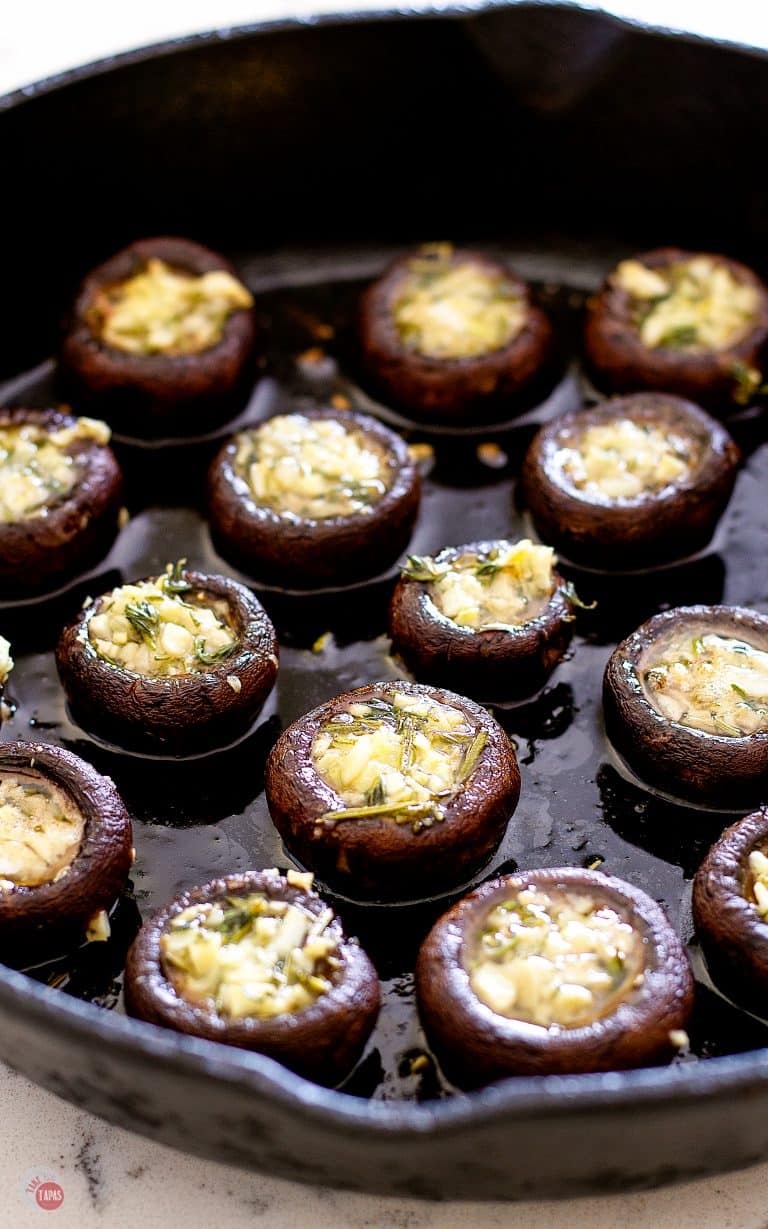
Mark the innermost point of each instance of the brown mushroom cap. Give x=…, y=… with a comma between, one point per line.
x=50, y=912
x=476, y=1045
x=620, y=361
x=454, y=391
x=376, y=858
x=177, y=715
x=41, y=553
x=156, y=394
x=488, y=664
x=733, y=935
x=711, y=769
x=314, y=553
x=322, y=1041
x=652, y=528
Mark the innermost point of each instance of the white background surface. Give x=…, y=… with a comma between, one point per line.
x=108, y=1176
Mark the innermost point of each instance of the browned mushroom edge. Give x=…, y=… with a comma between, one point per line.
x=321, y=1041
x=178, y=715
x=456, y=391
x=304, y=553
x=51, y=914
x=375, y=857
x=732, y=932
x=714, y=770
x=654, y=527
x=156, y=394
x=476, y=1045
x=41, y=553
x=619, y=361
x=493, y=665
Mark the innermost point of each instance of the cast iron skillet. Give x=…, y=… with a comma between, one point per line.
x=269, y=115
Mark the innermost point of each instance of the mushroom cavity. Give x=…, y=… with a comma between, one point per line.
x=41, y=830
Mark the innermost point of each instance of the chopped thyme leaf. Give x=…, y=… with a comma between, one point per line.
x=405, y=810
x=423, y=568
x=174, y=581
x=679, y=339
x=214, y=656
x=376, y=795
x=143, y=619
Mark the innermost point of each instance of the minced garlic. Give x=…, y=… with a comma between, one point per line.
x=457, y=310
x=161, y=627
x=502, y=587
x=250, y=955
x=555, y=959
x=36, y=470
x=41, y=831
x=162, y=310
x=691, y=305
x=758, y=865
x=6, y=661
x=312, y=468
x=400, y=757
x=709, y=682
x=623, y=459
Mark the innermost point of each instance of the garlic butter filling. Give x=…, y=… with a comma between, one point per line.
x=161, y=310
x=624, y=459
x=554, y=959
x=504, y=587
x=758, y=865
x=710, y=682
x=250, y=956
x=312, y=468
x=41, y=831
x=401, y=758
x=693, y=305
x=36, y=470
x=161, y=628
x=447, y=310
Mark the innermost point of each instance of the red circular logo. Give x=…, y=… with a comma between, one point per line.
x=49, y=1196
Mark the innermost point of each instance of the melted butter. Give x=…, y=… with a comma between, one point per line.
x=250, y=956
x=401, y=758
x=456, y=310
x=311, y=468
x=624, y=459
x=161, y=310
x=693, y=305
x=709, y=682
x=161, y=628
x=554, y=959
x=504, y=587
x=36, y=470
x=41, y=831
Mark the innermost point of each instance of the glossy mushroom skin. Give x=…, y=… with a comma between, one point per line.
x=51, y=913
x=322, y=1042
x=643, y=531
x=296, y=553
x=733, y=935
x=375, y=858
x=156, y=395
x=41, y=553
x=710, y=769
x=620, y=362
x=475, y=1045
x=489, y=665
x=180, y=715
x=452, y=391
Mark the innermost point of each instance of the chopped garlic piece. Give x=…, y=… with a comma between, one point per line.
x=679, y=1038
x=99, y=929
x=758, y=865
x=623, y=459
x=710, y=682
x=41, y=830
x=692, y=305
x=300, y=879
x=6, y=661
x=554, y=959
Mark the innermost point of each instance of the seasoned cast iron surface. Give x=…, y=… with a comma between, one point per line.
x=207, y=817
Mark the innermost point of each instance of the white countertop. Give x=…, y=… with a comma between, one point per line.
x=109, y=1177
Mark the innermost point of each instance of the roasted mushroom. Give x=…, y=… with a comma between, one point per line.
x=490, y=619
x=552, y=971
x=686, y=704
x=65, y=845
x=691, y=323
x=452, y=337
x=159, y=340
x=60, y=495
x=313, y=499
x=730, y=910
x=635, y=482
x=175, y=664
x=258, y=961
x=393, y=791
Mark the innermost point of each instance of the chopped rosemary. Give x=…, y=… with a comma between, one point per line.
x=749, y=701
x=212, y=657
x=174, y=581
x=143, y=619
x=376, y=795
x=401, y=811
x=423, y=568
x=471, y=755
x=678, y=339
x=725, y=725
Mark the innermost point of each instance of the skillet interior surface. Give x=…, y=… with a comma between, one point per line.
x=206, y=817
